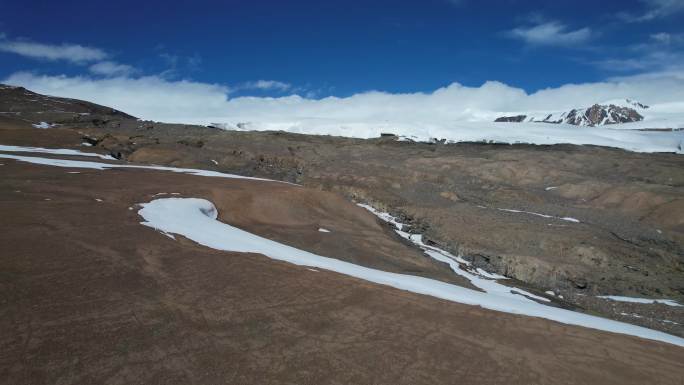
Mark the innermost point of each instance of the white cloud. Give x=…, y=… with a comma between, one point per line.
x=551, y=33
x=69, y=52
x=655, y=9
x=653, y=61
x=660, y=54
x=673, y=74
x=110, y=68
x=177, y=63
x=662, y=37
x=266, y=85
x=74, y=53
x=668, y=38
x=160, y=99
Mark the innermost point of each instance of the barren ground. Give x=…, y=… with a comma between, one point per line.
x=630, y=206
x=91, y=296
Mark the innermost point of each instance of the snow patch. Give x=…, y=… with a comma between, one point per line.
x=322, y=230
x=618, y=298
x=478, y=277
x=489, y=275
x=107, y=166
x=567, y=219
x=53, y=151
x=631, y=315
x=196, y=219
x=43, y=125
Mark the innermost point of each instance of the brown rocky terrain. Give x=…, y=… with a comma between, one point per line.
x=630, y=207
x=628, y=241
x=101, y=299
x=91, y=296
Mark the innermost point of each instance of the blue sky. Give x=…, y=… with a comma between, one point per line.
x=323, y=48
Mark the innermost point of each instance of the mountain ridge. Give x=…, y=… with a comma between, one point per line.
x=19, y=103
x=611, y=112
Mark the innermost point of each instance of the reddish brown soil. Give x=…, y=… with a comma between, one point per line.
x=88, y=295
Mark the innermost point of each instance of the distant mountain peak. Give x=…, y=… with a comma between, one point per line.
x=611, y=112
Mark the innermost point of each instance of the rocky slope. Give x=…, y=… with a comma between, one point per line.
x=120, y=303
x=19, y=105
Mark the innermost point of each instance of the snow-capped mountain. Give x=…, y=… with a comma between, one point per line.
x=611, y=112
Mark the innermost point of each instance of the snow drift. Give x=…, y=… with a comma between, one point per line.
x=196, y=219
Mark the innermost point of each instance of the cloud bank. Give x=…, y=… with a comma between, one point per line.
x=156, y=98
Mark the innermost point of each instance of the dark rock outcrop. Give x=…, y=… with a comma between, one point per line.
x=511, y=119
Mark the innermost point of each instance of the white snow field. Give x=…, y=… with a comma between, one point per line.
x=668, y=302
x=196, y=219
x=469, y=125
x=619, y=136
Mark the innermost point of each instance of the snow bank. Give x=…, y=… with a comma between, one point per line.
x=490, y=132
x=106, y=166
x=196, y=219
x=618, y=298
x=567, y=219
x=53, y=151
x=478, y=277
